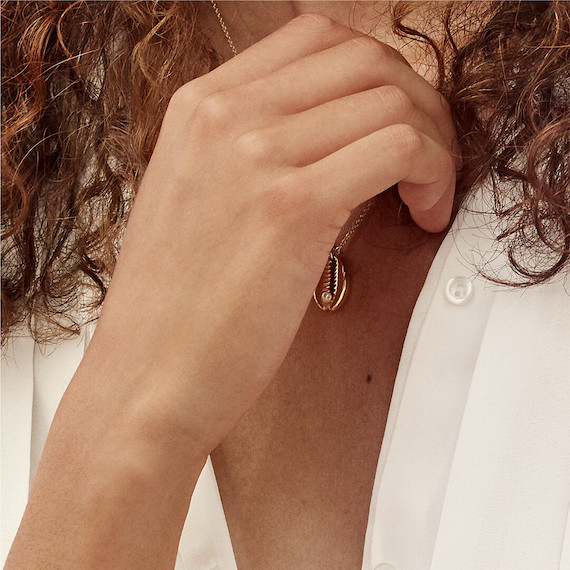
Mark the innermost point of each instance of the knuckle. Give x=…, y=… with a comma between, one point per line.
x=256, y=146
x=287, y=196
x=213, y=111
x=185, y=98
x=181, y=106
x=314, y=22
x=181, y=96
x=397, y=100
x=368, y=48
x=408, y=140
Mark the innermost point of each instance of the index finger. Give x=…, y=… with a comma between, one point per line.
x=304, y=35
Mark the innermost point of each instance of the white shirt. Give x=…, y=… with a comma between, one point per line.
x=474, y=469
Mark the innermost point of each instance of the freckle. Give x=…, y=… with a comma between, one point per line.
x=368, y=378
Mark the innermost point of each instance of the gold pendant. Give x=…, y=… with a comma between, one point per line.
x=331, y=290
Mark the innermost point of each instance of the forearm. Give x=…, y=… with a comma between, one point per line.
x=113, y=486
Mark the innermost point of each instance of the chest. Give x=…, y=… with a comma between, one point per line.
x=296, y=475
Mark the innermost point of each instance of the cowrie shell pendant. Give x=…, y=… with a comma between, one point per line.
x=332, y=288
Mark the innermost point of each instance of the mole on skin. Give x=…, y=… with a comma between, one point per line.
x=368, y=378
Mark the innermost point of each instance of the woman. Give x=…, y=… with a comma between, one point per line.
x=205, y=353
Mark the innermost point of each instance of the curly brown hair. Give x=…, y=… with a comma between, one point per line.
x=79, y=79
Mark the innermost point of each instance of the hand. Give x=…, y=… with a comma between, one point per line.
x=257, y=167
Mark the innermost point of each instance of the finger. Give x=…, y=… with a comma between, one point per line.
x=358, y=64
x=306, y=137
x=305, y=35
x=376, y=162
x=436, y=218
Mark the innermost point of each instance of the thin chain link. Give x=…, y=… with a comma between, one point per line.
x=224, y=27
x=337, y=249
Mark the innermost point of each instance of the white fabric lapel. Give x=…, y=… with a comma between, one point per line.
x=507, y=500
x=433, y=382
x=17, y=399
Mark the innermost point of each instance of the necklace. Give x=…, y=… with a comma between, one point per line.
x=332, y=289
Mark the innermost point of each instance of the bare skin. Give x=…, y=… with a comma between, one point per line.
x=296, y=474
x=236, y=188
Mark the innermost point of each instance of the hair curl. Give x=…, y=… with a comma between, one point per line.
x=79, y=79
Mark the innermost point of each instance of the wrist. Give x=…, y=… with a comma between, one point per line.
x=113, y=486
x=163, y=394
x=142, y=406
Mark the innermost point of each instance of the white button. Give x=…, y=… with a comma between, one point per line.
x=459, y=290
x=384, y=566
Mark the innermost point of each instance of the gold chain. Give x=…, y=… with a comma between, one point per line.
x=352, y=230
x=224, y=27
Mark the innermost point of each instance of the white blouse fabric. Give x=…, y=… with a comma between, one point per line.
x=474, y=469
